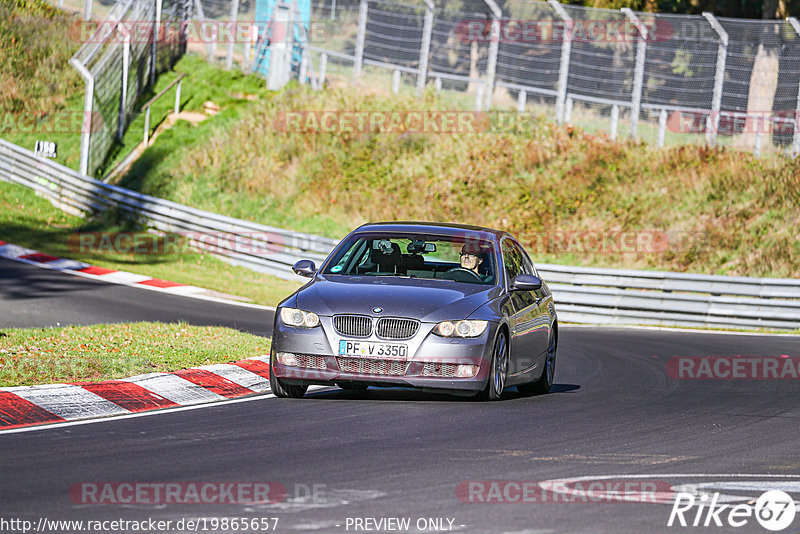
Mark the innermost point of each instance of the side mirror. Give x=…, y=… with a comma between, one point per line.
x=526, y=282
x=305, y=268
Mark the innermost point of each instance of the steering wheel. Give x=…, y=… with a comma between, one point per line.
x=460, y=274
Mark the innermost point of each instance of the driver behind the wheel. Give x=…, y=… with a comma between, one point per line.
x=471, y=258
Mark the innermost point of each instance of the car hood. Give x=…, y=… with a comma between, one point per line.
x=423, y=299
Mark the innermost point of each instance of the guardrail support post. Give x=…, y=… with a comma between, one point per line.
x=563, y=69
x=437, y=84
x=234, y=17
x=87, y=9
x=246, y=52
x=759, y=136
x=712, y=124
x=568, y=110
x=425, y=49
x=638, y=71
x=358, y=63
x=796, y=139
x=662, y=127
x=395, y=81
x=479, y=97
x=86, y=123
x=178, y=98
x=154, y=50
x=521, y=100
x=323, y=68
x=614, y=121
x=146, y=126
x=303, y=73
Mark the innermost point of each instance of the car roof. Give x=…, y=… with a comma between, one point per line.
x=430, y=227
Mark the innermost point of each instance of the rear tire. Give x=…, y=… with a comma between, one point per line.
x=497, y=374
x=282, y=390
x=543, y=385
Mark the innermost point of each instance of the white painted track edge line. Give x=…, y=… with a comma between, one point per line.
x=48, y=426
x=673, y=329
x=144, y=286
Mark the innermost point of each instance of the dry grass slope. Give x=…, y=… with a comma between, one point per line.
x=723, y=211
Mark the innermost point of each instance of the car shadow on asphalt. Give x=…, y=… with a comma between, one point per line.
x=411, y=394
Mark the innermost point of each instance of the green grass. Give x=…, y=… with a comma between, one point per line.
x=30, y=356
x=41, y=95
x=36, y=81
x=203, y=82
x=31, y=221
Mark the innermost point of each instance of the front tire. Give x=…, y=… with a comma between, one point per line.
x=499, y=369
x=543, y=385
x=282, y=390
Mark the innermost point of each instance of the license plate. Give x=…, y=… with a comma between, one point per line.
x=369, y=349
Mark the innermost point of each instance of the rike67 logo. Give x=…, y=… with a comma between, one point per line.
x=774, y=510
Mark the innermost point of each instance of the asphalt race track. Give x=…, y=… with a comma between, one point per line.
x=31, y=296
x=345, y=456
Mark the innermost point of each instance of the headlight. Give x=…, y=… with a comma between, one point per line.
x=295, y=317
x=460, y=328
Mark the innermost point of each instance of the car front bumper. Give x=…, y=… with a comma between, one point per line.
x=430, y=362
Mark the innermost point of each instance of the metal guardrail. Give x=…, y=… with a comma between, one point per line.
x=261, y=247
x=619, y=296
x=583, y=294
x=149, y=103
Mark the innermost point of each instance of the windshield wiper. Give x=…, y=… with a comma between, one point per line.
x=397, y=275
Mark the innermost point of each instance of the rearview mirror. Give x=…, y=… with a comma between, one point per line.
x=417, y=247
x=526, y=282
x=305, y=268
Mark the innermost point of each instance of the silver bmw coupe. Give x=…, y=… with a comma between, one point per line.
x=446, y=307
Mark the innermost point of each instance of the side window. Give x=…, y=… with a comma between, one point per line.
x=527, y=265
x=512, y=260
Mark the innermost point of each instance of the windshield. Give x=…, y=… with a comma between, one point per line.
x=446, y=258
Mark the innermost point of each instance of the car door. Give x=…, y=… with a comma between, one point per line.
x=544, y=306
x=524, y=312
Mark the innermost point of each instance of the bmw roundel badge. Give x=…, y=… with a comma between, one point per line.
x=376, y=309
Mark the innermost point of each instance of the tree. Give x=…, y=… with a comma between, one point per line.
x=764, y=76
